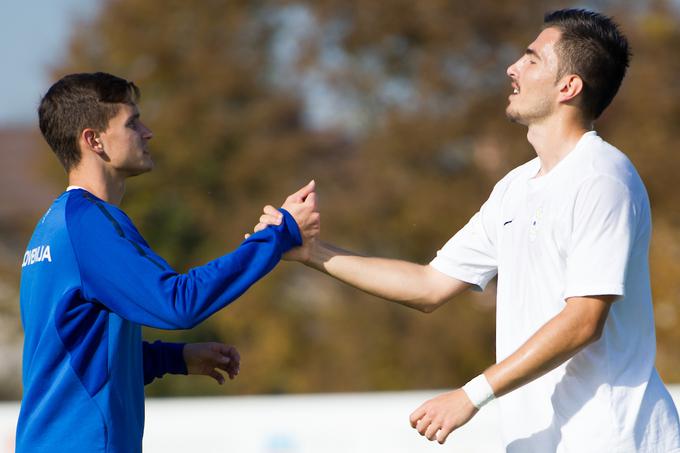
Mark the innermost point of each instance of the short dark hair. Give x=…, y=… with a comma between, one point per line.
x=592, y=47
x=77, y=102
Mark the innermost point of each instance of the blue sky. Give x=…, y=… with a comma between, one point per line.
x=34, y=35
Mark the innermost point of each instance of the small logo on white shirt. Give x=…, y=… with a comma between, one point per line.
x=37, y=255
x=535, y=223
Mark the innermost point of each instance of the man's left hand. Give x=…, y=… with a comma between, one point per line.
x=208, y=358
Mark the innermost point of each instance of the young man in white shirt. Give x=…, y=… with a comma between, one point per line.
x=568, y=236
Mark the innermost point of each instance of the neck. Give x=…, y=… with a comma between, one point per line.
x=554, y=138
x=100, y=184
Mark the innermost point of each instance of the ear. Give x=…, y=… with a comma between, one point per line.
x=92, y=141
x=570, y=86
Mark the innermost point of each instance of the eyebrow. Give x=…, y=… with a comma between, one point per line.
x=532, y=52
x=134, y=116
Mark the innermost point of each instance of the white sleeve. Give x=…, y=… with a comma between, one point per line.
x=470, y=255
x=603, y=230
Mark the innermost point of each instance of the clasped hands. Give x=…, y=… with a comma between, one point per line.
x=302, y=206
x=211, y=359
x=435, y=419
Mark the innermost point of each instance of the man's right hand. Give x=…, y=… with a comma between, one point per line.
x=302, y=206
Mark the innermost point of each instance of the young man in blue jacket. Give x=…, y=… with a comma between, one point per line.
x=90, y=281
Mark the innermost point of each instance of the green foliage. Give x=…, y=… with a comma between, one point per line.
x=410, y=145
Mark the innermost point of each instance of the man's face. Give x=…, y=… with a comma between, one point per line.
x=534, y=80
x=125, y=142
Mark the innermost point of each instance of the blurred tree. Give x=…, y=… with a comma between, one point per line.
x=397, y=110
x=645, y=122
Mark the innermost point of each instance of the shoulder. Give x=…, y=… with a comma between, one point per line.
x=605, y=162
x=606, y=181
x=89, y=215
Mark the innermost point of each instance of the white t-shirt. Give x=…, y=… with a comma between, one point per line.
x=583, y=229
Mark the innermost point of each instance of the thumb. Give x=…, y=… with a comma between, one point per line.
x=301, y=194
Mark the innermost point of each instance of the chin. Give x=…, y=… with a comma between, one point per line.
x=512, y=116
x=515, y=117
x=148, y=165
x=141, y=170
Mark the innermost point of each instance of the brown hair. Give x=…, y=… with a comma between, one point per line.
x=77, y=102
x=592, y=47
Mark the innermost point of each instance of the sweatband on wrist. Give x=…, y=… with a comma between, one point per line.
x=479, y=391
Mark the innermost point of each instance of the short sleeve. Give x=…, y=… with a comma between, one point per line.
x=470, y=255
x=603, y=230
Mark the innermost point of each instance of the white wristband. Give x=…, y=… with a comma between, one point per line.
x=479, y=391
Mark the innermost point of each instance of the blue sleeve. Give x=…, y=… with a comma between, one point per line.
x=119, y=270
x=160, y=358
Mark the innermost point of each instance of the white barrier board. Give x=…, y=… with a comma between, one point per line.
x=328, y=423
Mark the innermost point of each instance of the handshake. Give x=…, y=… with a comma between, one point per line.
x=302, y=206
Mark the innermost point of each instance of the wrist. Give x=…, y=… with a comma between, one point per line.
x=479, y=391
x=290, y=226
x=316, y=256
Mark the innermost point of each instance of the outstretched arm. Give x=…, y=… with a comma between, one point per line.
x=120, y=270
x=417, y=286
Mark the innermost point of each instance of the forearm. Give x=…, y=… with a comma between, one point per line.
x=204, y=290
x=409, y=284
x=134, y=282
x=554, y=343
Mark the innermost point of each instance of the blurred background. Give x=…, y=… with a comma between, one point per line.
x=395, y=108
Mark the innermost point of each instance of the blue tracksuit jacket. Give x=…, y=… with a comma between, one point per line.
x=89, y=282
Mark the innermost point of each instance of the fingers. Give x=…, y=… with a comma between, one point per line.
x=271, y=219
x=426, y=421
x=259, y=227
x=431, y=431
x=231, y=360
x=211, y=359
x=256, y=228
x=217, y=376
x=230, y=353
x=271, y=216
x=416, y=416
x=272, y=211
x=301, y=194
x=423, y=425
x=444, y=433
x=437, y=418
x=434, y=430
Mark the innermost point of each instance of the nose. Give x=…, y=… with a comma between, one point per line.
x=146, y=132
x=512, y=70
